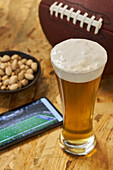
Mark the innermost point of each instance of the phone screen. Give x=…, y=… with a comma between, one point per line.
x=29, y=119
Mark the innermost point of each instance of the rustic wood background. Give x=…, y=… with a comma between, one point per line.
x=20, y=30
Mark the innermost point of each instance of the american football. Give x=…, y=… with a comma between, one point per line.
x=89, y=19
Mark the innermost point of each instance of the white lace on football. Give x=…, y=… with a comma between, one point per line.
x=63, y=10
x=52, y=7
x=83, y=19
x=69, y=14
x=90, y=23
x=76, y=16
x=58, y=8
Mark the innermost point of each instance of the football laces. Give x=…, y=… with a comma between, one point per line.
x=63, y=10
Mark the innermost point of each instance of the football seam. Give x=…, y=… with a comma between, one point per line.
x=79, y=30
x=47, y=6
x=97, y=13
x=92, y=12
x=76, y=16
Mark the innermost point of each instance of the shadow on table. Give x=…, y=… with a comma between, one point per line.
x=105, y=92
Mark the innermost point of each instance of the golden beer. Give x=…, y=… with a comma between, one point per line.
x=78, y=64
x=78, y=107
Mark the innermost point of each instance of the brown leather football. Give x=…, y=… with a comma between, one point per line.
x=90, y=19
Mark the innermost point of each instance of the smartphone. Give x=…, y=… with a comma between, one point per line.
x=27, y=121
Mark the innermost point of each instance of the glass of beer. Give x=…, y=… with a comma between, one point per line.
x=78, y=64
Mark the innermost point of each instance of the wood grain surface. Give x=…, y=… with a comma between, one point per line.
x=20, y=30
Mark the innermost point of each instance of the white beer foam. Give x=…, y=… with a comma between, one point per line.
x=78, y=60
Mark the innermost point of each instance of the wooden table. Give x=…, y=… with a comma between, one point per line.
x=20, y=30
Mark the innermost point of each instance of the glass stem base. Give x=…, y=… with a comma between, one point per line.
x=74, y=149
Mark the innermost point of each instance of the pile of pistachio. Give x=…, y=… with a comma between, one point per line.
x=16, y=72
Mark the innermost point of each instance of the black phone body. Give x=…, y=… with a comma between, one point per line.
x=28, y=120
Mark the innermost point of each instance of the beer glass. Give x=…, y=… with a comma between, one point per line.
x=78, y=64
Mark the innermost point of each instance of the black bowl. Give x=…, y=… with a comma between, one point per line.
x=27, y=56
